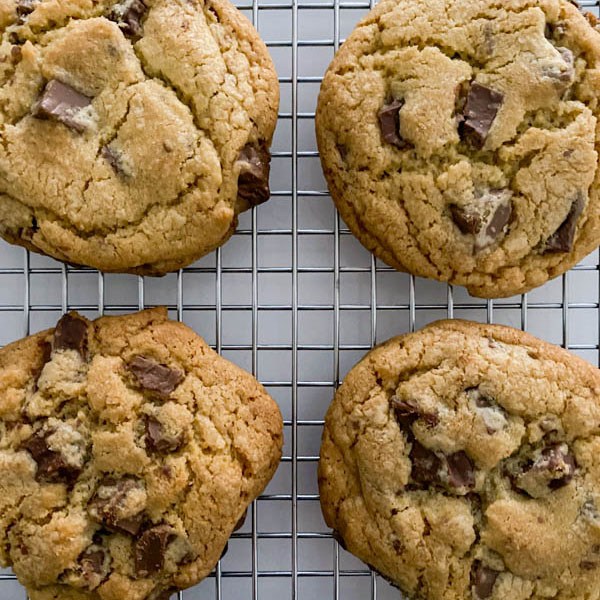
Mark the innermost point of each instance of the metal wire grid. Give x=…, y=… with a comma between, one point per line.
x=552, y=305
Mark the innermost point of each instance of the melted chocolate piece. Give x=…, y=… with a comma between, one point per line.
x=128, y=15
x=155, y=377
x=461, y=472
x=481, y=108
x=562, y=239
x=107, y=508
x=552, y=469
x=157, y=439
x=253, y=180
x=485, y=217
x=93, y=569
x=46, y=349
x=150, y=548
x=63, y=103
x=483, y=581
x=71, y=334
x=389, y=123
x=25, y=7
x=51, y=466
x=114, y=160
x=426, y=465
x=407, y=412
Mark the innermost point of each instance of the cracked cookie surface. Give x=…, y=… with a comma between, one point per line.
x=463, y=462
x=132, y=133
x=129, y=452
x=459, y=139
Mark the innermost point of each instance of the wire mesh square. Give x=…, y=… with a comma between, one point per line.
x=296, y=300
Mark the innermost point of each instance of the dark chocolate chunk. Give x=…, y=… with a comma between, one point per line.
x=25, y=7
x=407, y=412
x=485, y=217
x=51, y=466
x=128, y=15
x=150, y=548
x=253, y=180
x=155, y=377
x=241, y=521
x=46, y=350
x=71, y=334
x=114, y=160
x=389, y=123
x=157, y=439
x=93, y=568
x=562, y=239
x=483, y=581
x=482, y=106
x=426, y=465
x=461, y=472
x=107, y=505
x=62, y=102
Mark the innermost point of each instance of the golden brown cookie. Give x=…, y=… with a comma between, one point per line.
x=129, y=450
x=133, y=132
x=463, y=462
x=459, y=139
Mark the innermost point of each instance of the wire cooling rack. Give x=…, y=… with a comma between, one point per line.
x=294, y=299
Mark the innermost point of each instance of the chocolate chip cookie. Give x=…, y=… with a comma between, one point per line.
x=133, y=132
x=463, y=461
x=129, y=451
x=459, y=139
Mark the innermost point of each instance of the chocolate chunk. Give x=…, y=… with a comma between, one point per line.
x=71, y=334
x=157, y=439
x=93, y=568
x=150, y=548
x=426, y=465
x=241, y=521
x=25, y=7
x=51, y=465
x=62, y=102
x=253, y=180
x=46, y=350
x=562, y=239
x=128, y=15
x=389, y=123
x=552, y=468
x=407, y=412
x=485, y=217
x=461, y=472
x=483, y=581
x=155, y=377
x=482, y=106
x=113, y=158
x=109, y=505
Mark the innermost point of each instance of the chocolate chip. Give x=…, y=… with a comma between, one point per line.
x=426, y=465
x=110, y=503
x=62, y=102
x=485, y=217
x=389, y=123
x=51, y=465
x=407, y=412
x=155, y=377
x=241, y=521
x=461, y=472
x=483, y=581
x=552, y=468
x=482, y=106
x=93, y=568
x=253, y=180
x=157, y=439
x=25, y=7
x=128, y=15
x=46, y=354
x=150, y=548
x=562, y=239
x=113, y=158
x=70, y=333
x=16, y=53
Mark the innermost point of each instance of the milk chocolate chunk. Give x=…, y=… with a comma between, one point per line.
x=110, y=505
x=406, y=412
x=253, y=180
x=481, y=108
x=25, y=7
x=485, y=217
x=551, y=468
x=150, y=549
x=155, y=377
x=128, y=15
x=94, y=567
x=158, y=440
x=483, y=580
x=562, y=239
x=70, y=333
x=63, y=103
x=389, y=123
x=51, y=465
x=461, y=473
